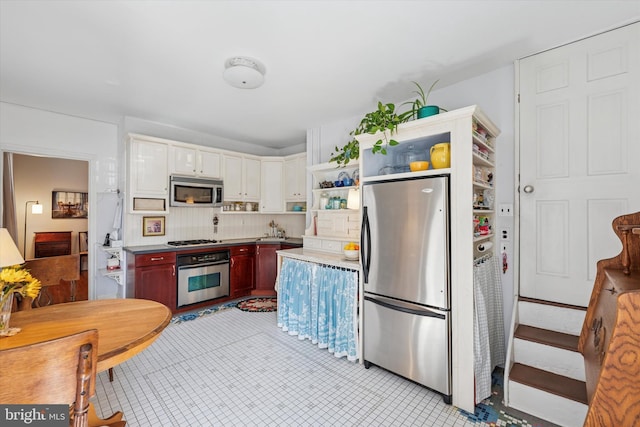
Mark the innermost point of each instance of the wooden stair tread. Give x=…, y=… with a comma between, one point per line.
x=552, y=383
x=547, y=337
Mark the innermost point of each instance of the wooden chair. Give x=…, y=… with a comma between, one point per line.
x=59, y=276
x=58, y=371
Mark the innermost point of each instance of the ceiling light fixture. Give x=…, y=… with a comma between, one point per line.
x=243, y=72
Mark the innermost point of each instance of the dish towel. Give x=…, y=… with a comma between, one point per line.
x=488, y=337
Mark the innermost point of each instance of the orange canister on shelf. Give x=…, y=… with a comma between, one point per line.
x=441, y=155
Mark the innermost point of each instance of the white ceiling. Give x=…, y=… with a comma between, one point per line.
x=325, y=60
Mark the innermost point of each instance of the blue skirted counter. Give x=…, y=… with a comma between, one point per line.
x=318, y=300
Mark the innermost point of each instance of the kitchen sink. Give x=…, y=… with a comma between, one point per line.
x=272, y=239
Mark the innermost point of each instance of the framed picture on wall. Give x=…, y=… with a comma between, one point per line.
x=69, y=204
x=153, y=226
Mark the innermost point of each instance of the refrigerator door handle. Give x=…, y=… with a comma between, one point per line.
x=422, y=312
x=365, y=234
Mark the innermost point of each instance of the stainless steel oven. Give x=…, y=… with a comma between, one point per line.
x=202, y=276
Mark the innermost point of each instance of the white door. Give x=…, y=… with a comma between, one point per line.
x=579, y=160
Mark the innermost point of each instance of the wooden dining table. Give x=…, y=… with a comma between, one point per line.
x=125, y=328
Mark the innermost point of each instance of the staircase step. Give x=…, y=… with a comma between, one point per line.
x=549, y=315
x=547, y=337
x=531, y=347
x=547, y=406
x=549, y=382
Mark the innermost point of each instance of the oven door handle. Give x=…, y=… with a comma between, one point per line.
x=207, y=264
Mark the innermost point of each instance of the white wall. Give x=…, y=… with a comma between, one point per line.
x=493, y=92
x=160, y=130
x=36, y=132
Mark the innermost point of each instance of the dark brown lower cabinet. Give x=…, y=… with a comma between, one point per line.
x=155, y=278
x=242, y=270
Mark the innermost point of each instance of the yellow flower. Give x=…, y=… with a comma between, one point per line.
x=17, y=279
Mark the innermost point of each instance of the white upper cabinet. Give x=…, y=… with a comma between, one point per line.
x=295, y=177
x=148, y=175
x=241, y=178
x=271, y=182
x=188, y=161
x=209, y=163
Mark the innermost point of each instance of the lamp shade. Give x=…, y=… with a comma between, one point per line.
x=9, y=253
x=353, y=199
x=36, y=209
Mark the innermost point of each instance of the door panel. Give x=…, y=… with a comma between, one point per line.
x=579, y=160
x=409, y=240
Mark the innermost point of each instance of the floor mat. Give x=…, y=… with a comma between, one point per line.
x=192, y=315
x=260, y=305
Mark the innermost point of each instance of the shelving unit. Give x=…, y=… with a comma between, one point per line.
x=472, y=136
x=332, y=228
x=115, y=274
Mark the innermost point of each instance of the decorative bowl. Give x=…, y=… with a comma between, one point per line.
x=338, y=184
x=419, y=166
x=352, y=255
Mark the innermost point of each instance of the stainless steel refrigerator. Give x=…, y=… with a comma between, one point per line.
x=405, y=257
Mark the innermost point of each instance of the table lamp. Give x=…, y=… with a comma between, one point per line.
x=9, y=253
x=353, y=199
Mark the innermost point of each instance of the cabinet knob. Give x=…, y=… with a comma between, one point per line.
x=528, y=189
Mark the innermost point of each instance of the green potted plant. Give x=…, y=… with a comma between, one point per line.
x=419, y=107
x=384, y=119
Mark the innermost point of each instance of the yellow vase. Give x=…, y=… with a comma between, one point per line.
x=441, y=155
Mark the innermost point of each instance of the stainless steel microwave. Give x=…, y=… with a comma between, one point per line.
x=195, y=192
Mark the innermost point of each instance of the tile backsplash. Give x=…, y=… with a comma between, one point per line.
x=197, y=223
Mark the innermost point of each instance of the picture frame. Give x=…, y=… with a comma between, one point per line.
x=69, y=205
x=153, y=225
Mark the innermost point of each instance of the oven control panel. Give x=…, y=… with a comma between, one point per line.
x=203, y=258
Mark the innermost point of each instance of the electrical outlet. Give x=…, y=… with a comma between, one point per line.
x=505, y=234
x=505, y=209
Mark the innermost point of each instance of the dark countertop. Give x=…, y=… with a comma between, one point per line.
x=147, y=249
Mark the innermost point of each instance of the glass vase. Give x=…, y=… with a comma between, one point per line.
x=5, y=311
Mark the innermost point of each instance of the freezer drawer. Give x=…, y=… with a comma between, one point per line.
x=409, y=340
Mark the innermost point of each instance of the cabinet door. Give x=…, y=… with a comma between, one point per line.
x=302, y=177
x=157, y=283
x=251, y=173
x=295, y=178
x=266, y=267
x=232, y=177
x=183, y=161
x=209, y=164
x=271, y=182
x=242, y=275
x=149, y=168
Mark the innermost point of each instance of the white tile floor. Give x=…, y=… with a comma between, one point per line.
x=234, y=368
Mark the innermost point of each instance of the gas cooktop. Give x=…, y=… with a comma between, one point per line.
x=197, y=242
